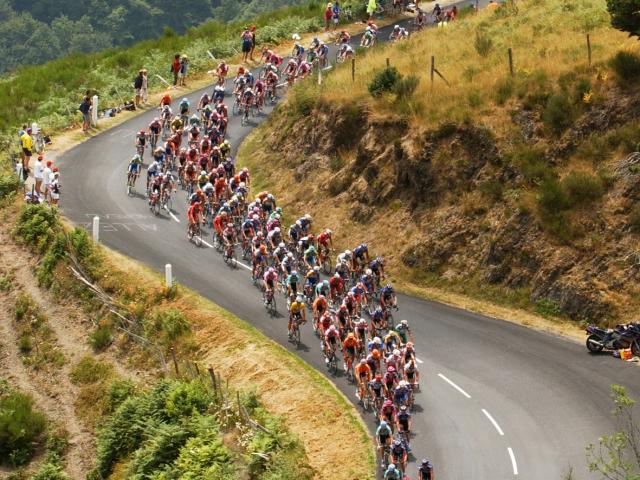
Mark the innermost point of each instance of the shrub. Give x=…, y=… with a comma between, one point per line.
x=532, y=163
x=89, y=370
x=475, y=98
x=55, y=253
x=384, y=81
x=100, y=338
x=547, y=308
x=303, y=100
x=22, y=306
x=624, y=16
x=8, y=183
x=21, y=428
x=627, y=66
x=405, y=87
x=504, y=90
x=171, y=322
x=483, y=43
x=186, y=399
x=557, y=115
x=493, y=189
x=50, y=471
x=552, y=198
x=118, y=392
x=582, y=188
x=594, y=148
x=37, y=226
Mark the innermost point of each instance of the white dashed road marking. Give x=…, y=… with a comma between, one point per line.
x=513, y=461
x=493, y=421
x=454, y=385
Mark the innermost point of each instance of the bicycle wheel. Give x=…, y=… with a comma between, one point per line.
x=233, y=261
x=236, y=108
x=327, y=266
x=339, y=58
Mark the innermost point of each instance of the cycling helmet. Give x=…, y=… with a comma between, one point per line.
x=294, y=273
x=375, y=354
x=207, y=107
x=396, y=352
x=194, y=117
x=368, y=271
x=203, y=173
x=260, y=235
x=383, y=423
x=347, y=253
x=409, y=345
x=308, y=217
x=255, y=217
x=396, y=27
x=321, y=297
x=289, y=254
x=351, y=335
x=332, y=328
x=391, y=369
x=281, y=245
x=245, y=170
x=258, y=201
x=263, y=249
x=141, y=132
x=343, y=308
x=387, y=403
x=136, y=157
x=425, y=463
x=317, y=269
x=377, y=340
x=327, y=231
x=156, y=119
x=229, y=225
x=185, y=99
x=403, y=408
x=363, y=361
x=279, y=210
x=298, y=223
x=326, y=282
x=378, y=377
x=276, y=230
x=403, y=383
x=396, y=443
x=299, y=298
x=404, y=323
x=389, y=287
x=224, y=214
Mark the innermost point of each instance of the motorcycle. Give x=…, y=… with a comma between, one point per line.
x=622, y=336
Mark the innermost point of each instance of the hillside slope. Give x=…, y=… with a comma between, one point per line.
x=520, y=190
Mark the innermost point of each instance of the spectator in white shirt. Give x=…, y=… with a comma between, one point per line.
x=46, y=179
x=55, y=187
x=37, y=173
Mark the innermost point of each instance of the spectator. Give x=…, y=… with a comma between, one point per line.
x=328, y=13
x=37, y=173
x=85, y=108
x=253, y=40
x=145, y=86
x=137, y=85
x=247, y=40
x=335, y=15
x=371, y=8
x=55, y=187
x=176, y=66
x=20, y=133
x=27, y=148
x=184, y=67
x=46, y=178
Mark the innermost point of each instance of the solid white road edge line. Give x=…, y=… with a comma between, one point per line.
x=454, y=385
x=173, y=216
x=418, y=360
x=513, y=461
x=492, y=420
x=239, y=263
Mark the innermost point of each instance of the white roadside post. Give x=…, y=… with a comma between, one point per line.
x=94, y=111
x=319, y=76
x=168, y=276
x=211, y=55
x=96, y=229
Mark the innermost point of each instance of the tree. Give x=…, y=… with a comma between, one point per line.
x=617, y=456
x=625, y=16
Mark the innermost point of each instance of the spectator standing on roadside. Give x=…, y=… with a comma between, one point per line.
x=145, y=86
x=335, y=14
x=55, y=187
x=253, y=41
x=37, y=173
x=27, y=148
x=371, y=8
x=137, y=85
x=46, y=178
x=247, y=40
x=328, y=13
x=85, y=108
x=184, y=68
x=20, y=133
x=175, y=68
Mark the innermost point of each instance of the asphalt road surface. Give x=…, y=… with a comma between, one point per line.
x=498, y=401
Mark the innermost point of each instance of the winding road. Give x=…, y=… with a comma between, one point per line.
x=498, y=401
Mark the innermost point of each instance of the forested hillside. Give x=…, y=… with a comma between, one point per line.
x=35, y=31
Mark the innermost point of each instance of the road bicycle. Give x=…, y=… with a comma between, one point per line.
x=269, y=300
x=154, y=203
x=332, y=361
x=131, y=182
x=294, y=334
x=229, y=256
x=194, y=234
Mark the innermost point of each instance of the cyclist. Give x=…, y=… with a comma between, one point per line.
x=360, y=256
x=405, y=332
x=390, y=378
x=184, y=106
x=368, y=281
x=401, y=393
x=391, y=340
x=377, y=267
x=331, y=339
x=141, y=142
x=287, y=264
x=411, y=374
x=383, y=436
x=154, y=131
x=260, y=259
x=336, y=286
x=133, y=170
x=323, y=51
x=388, y=297
x=176, y=125
x=392, y=473
x=311, y=279
x=388, y=411
x=154, y=169
x=398, y=33
x=222, y=71
x=290, y=70
x=403, y=421
x=193, y=215
x=345, y=52
x=298, y=52
x=270, y=280
x=204, y=101
x=293, y=280
x=322, y=289
x=399, y=455
x=367, y=38
x=363, y=376
x=376, y=387
x=349, y=349
x=259, y=91
x=311, y=257
x=297, y=313
x=168, y=185
x=229, y=235
x=304, y=69
x=343, y=38
x=425, y=471
x=421, y=19
x=319, y=307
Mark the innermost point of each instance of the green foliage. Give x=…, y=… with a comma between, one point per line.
x=169, y=322
x=21, y=428
x=624, y=16
x=406, y=86
x=492, y=189
x=186, y=399
x=303, y=99
x=88, y=370
x=36, y=227
x=483, y=43
x=160, y=449
x=117, y=392
x=100, y=338
x=384, y=81
x=8, y=183
x=22, y=305
x=54, y=254
x=547, y=308
x=557, y=115
x=582, y=188
x=50, y=471
x=532, y=163
x=626, y=64
x=504, y=90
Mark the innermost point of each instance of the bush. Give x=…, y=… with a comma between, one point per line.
x=532, y=163
x=483, y=43
x=118, y=392
x=171, y=322
x=504, y=90
x=384, y=81
x=493, y=189
x=627, y=66
x=547, y=308
x=557, y=115
x=405, y=87
x=50, y=471
x=55, y=253
x=100, y=338
x=21, y=428
x=89, y=370
x=37, y=226
x=582, y=188
x=8, y=184
x=552, y=198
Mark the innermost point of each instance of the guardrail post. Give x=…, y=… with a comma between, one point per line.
x=353, y=69
x=96, y=229
x=433, y=68
x=511, y=61
x=94, y=111
x=168, y=276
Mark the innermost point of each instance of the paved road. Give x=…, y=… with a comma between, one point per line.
x=498, y=401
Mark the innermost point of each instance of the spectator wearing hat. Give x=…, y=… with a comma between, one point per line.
x=38, y=168
x=137, y=85
x=184, y=68
x=27, y=148
x=247, y=41
x=85, y=108
x=46, y=178
x=176, y=67
x=336, y=11
x=55, y=187
x=328, y=14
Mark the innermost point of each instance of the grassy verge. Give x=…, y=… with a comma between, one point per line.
x=180, y=321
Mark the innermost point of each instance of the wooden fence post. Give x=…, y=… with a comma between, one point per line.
x=433, y=68
x=387, y=62
x=353, y=69
x=239, y=404
x=511, y=61
x=175, y=361
x=195, y=364
x=589, y=47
